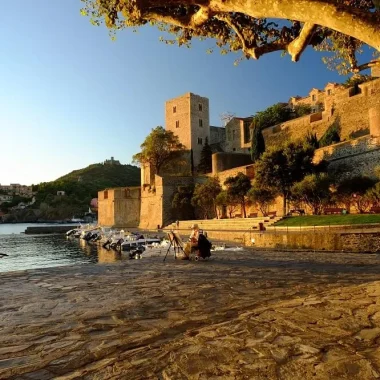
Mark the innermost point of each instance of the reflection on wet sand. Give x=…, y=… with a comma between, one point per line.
x=108, y=256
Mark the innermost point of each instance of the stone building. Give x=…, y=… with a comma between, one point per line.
x=238, y=135
x=119, y=207
x=17, y=189
x=112, y=161
x=188, y=117
x=355, y=111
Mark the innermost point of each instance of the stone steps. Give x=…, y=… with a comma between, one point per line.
x=241, y=224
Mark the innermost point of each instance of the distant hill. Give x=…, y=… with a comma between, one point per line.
x=104, y=175
x=80, y=186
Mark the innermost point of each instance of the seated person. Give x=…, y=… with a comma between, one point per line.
x=198, y=242
x=194, y=236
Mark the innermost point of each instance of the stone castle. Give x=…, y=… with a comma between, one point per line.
x=355, y=111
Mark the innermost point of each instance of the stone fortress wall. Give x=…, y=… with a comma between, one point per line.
x=156, y=200
x=343, y=107
x=356, y=111
x=119, y=207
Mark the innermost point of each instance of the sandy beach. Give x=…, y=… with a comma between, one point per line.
x=242, y=315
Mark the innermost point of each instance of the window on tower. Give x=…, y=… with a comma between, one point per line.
x=199, y=140
x=174, y=109
x=200, y=107
x=200, y=122
x=177, y=124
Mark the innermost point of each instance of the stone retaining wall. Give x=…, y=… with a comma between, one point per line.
x=365, y=241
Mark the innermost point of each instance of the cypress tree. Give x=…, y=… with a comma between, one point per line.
x=257, y=141
x=205, y=164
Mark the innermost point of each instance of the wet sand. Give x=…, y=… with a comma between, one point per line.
x=242, y=315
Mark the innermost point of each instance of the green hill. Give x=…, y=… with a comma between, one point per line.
x=102, y=176
x=80, y=186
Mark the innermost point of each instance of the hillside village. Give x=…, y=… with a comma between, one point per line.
x=353, y=111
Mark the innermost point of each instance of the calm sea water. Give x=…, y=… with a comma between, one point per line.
x=41, y=251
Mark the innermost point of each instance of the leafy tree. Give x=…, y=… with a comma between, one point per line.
x=159, y=148
x=314, y=190
x=312, y=139
x=205, y=164
x=331, y=136
x=355, y=80
x=204, y=196
x=302, y=110
x=282, y=167
x=275, y=114
x=257, y=142
x=373, y=195
x=354, y=191
x=182, y=208
x=262, y=197
x=224, y=199
x=340, y=28
x=237, y=188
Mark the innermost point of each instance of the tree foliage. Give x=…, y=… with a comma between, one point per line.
x=224, y=199
x=357, y=79
x=262, y=196
x=159, y=148
x=373, y=194
x=80, y=186
x=354, y=191
x=314, y=191
x=257, y=142
x=312, y=139
x=331, y=136
x=204, y=197
x=301, y=110
x=237, y=188
x=182, y=208
x=205, y=164
x=275, y=114
x=338, y=27
x=284, y=166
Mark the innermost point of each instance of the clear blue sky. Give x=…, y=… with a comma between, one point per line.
x=70, y=97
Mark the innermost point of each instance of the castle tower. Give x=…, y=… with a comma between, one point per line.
x=188, y=117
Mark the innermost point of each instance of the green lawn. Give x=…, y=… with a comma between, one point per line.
x=325, y=220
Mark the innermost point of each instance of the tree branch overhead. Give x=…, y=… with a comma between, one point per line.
x=249, y=27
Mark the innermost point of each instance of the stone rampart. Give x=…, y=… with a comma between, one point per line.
x=223, y=161
x=352, y=158
x=156, y=201
x=248, y=170
x=347, y=108
x=119, y=207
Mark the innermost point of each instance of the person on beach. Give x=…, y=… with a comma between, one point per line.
x=194, y=236
x=198, y=242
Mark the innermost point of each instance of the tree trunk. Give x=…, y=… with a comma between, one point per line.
x=284, y=205
x=353, y=22
x=243, y=207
